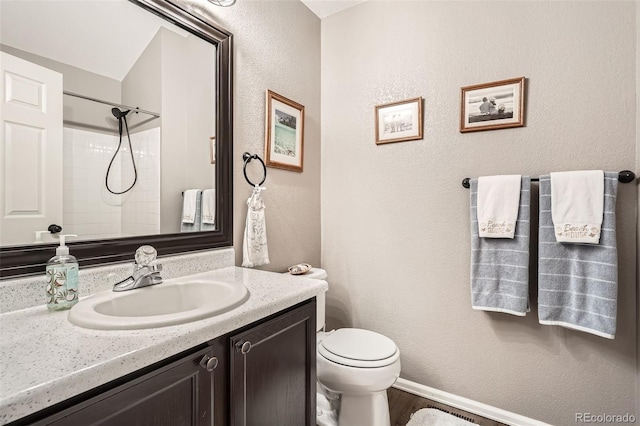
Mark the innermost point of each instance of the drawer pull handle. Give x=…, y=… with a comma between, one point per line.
x=209, y=363
x=243, y=347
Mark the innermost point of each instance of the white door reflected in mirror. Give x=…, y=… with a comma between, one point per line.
x=31, y=147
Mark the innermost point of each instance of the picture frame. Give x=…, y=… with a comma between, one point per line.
x=284, y=133
x=399, y=121
x=491, y=106
x=212, y=149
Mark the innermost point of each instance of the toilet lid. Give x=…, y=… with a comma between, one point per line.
x=359, y=348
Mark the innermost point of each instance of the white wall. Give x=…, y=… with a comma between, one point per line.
x=201, y=92
x=395, y=219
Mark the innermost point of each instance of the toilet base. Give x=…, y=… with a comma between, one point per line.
x=364, y=409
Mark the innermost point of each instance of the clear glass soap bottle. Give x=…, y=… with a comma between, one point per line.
x=62, y=278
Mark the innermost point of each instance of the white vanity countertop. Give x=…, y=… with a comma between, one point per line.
x=44, y=359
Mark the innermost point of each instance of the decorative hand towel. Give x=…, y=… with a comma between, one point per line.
x=498, y=201
x=189, y=205
x=577, y=201
x=191, y=210
x=208, y=211
x=578, y=283
x=500, y=267
x=254, y=246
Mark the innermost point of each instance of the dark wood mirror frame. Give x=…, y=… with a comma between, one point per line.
x=31, y=259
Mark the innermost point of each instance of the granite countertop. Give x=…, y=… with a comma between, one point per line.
x=44, y=359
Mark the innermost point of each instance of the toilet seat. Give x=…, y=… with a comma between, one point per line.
x=354, y=347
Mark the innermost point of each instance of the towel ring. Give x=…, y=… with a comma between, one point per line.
x=247, y=159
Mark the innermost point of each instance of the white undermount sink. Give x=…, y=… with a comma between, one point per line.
x=170, y=303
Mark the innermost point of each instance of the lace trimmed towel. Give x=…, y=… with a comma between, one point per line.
x=498, y=201
x=254, y=245
x=500, y=266
x=578, y=283
x=577, y=202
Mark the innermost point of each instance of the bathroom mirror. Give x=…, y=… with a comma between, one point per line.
x=172, y=71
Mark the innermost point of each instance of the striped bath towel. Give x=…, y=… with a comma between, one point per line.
x=578, y=283
x=500, y=267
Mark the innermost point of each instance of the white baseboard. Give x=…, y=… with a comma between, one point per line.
x=466, y=404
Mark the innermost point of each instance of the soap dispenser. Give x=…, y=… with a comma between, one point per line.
x=62, y=278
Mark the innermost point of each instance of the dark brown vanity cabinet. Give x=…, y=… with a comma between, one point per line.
x=263, y=374
x=180, y=393
x=273, y=371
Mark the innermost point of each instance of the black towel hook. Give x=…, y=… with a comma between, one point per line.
x=247, y=158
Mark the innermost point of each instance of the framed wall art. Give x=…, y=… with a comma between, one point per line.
x=490, y=106
x=399, y=121
x=284, y=133
x=212, y=149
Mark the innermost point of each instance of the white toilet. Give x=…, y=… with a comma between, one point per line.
x=356, y=365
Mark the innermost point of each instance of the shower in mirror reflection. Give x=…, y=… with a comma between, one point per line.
x=122, y=117
x=90, y=209
x=166, y=78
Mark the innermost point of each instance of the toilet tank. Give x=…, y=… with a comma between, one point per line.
x=318, y=274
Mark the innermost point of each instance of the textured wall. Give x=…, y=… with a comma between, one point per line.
x=395, y=218
x=277, y=47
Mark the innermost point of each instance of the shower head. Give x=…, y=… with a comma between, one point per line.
x=118, y=113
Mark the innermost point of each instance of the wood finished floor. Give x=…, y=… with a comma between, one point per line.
x=402, y=404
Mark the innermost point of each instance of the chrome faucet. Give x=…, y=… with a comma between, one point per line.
x=145, y=271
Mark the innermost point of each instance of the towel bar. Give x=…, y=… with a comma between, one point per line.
x=625, y=176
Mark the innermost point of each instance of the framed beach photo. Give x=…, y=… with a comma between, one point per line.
x=284, y=133
x=399, y=121
x=490, y=106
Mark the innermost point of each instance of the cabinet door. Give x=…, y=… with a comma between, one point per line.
x=178, y=394
x=273, y=371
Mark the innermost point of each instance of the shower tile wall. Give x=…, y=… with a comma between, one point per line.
x=89, y=209
x=141, y=210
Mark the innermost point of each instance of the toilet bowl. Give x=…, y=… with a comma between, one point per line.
x=355, y=367
x=359, y=365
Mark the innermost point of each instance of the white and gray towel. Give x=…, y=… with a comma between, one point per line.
x=500, y=267
x=208, y=210
x=189, y=205
x=192, y=200
x=578, y=283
